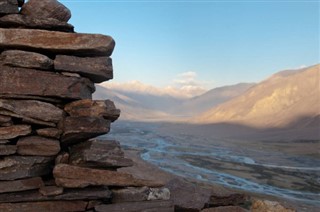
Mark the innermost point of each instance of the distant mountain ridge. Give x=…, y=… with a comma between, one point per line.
x=148, y=106
x=286, y=98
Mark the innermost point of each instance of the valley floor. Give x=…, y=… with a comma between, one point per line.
x=282, y=170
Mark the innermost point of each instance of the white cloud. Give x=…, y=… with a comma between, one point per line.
x=185, y=85
x=189, y=84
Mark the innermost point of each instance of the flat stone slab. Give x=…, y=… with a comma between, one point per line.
x=77, y=129
x=78, y=177
x=95, y=193
x=49, y=132
x=25, y=59
x=7, y=149
x=226, y=199
x=20, y=81
x=147, y=206
x=46, y=9
x=8, y=7
x=18, y=167
x=14, y=131
x=99, y=154
x=38, y=146
x=21, y=185
x=31, y=111
x=56, y=42
x=187, y=196
x=138, y=194
x=93, y=108
x=225, y=208
x=29, y=22
x=61, y=206
x=54, y=100
x=50, y=190
x=97, y=69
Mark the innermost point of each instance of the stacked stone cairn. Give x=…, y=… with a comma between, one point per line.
x=50, y=159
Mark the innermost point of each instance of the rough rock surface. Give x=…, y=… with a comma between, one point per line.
x=5, y=121
x=18, y=167
x=50, y=190
x=8, y=7
x=226, y=209
x=133, y=194
x=49, y=132
x=20, y=81
x=61, y=206
x=57, y=42
x=7, y=150
x=29, y=22
x=103, y=194
x=147, y=206
x=93, y=108
x=21, y=185
x=77, y=129
x=97, y=69
x=99, y=153
x=187, y=196
x=31, y=110
x=36, y=145
x=25, y=59
x=14, y=131
x=78, y=177
x=219, y=199
x=46, y=9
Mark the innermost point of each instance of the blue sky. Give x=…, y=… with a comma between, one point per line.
x=219, y=42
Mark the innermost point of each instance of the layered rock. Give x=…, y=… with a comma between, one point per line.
x=52, y=42
x=49, y=159
x=29, y=82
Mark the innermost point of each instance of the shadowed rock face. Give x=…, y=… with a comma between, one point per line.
x=77, y=129
x=21, y=185
x=8, y=7
x=18, y=167
x=54, y=206
x=93, y=108
x=98, y=153
x=21, y=81
x=159, y=206
x=25, y=59
x=27, y=22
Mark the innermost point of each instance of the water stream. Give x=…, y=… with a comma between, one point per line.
x=218, y=162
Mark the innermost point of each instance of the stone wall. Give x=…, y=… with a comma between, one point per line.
x=50, y=159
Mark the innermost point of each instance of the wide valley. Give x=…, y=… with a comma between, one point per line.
x=287, y=169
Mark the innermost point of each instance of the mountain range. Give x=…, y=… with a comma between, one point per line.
x=286, y=99
x=155, y=106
